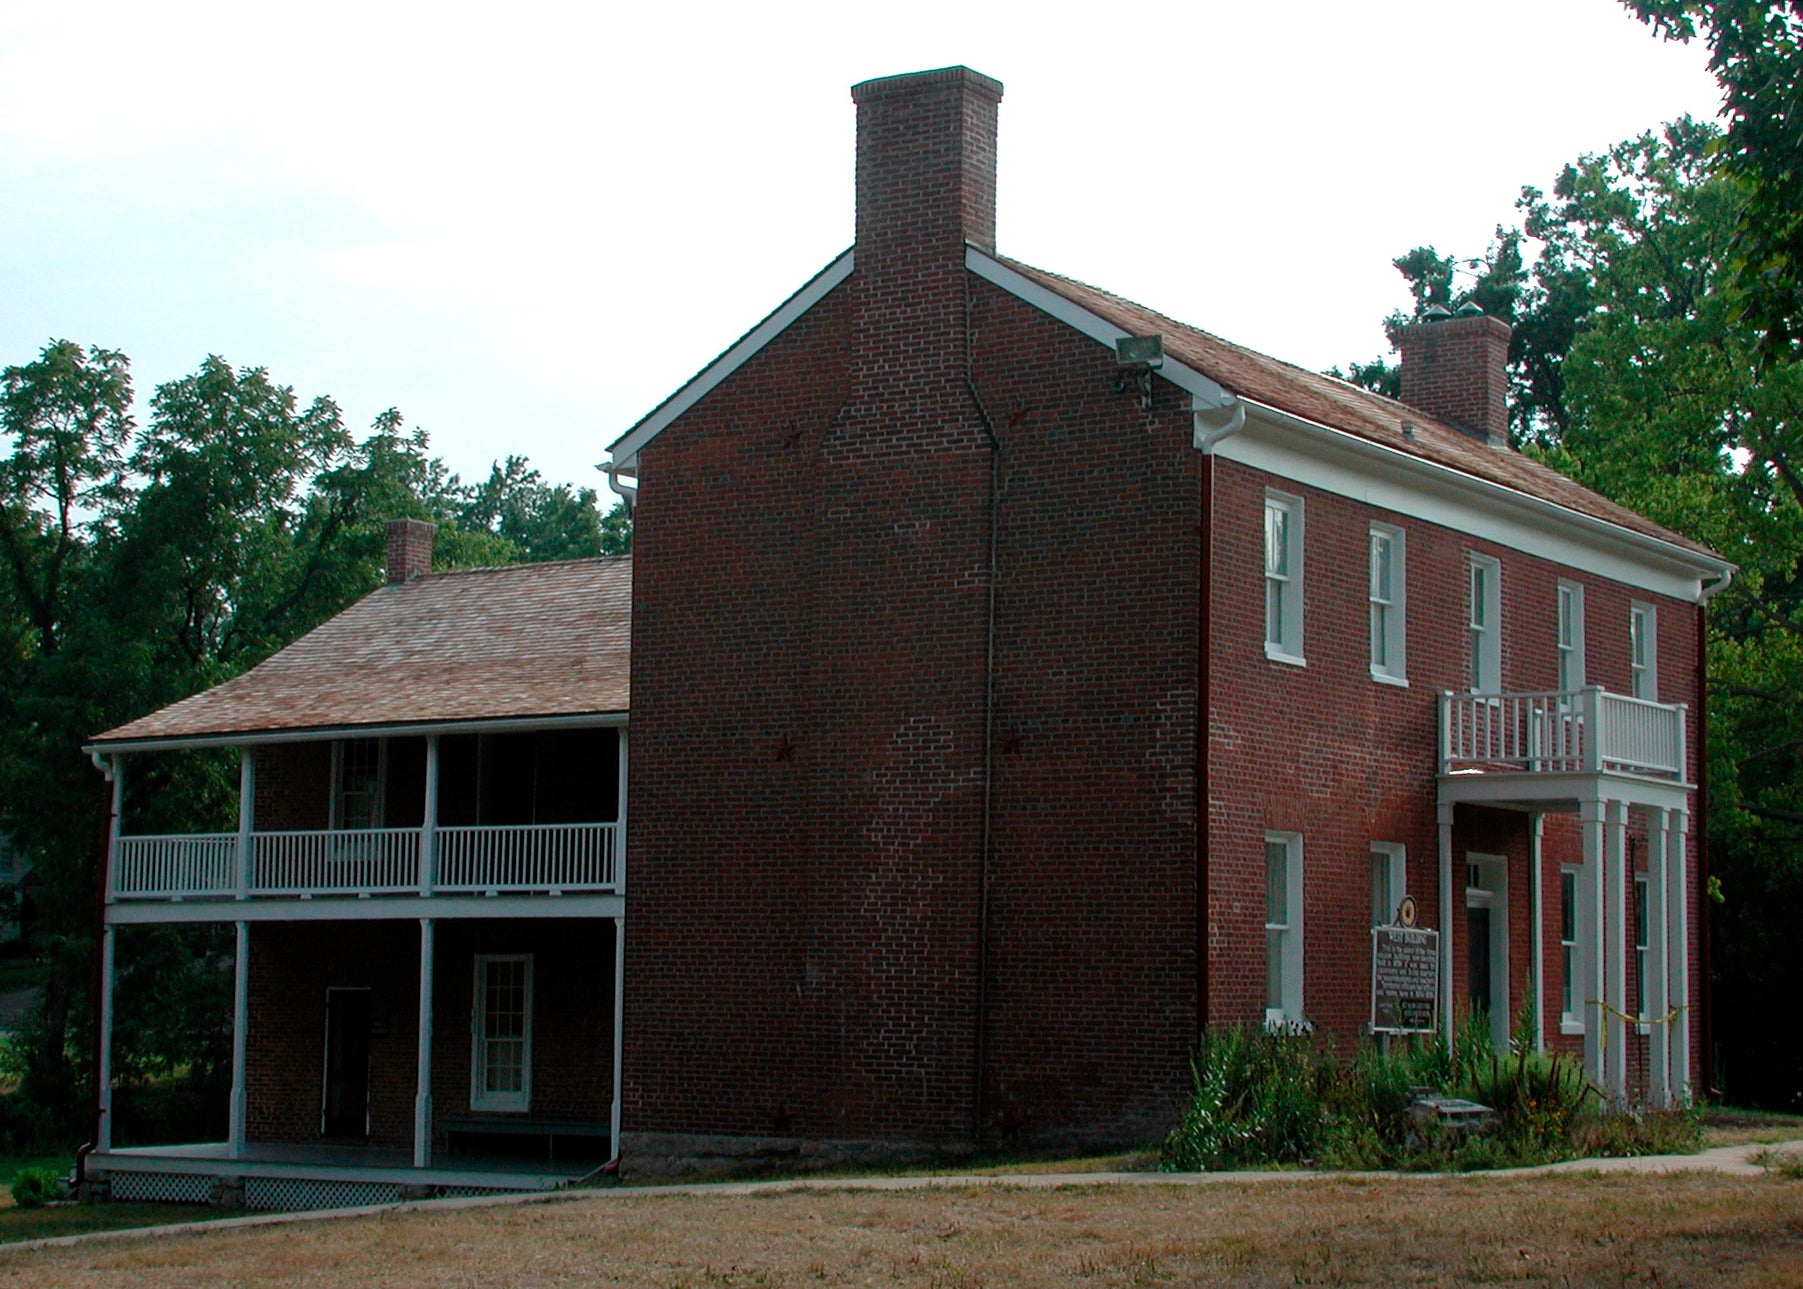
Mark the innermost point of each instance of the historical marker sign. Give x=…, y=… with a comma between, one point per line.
x=1405, y=980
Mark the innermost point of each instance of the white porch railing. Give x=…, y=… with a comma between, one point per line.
x=370, y=862
x=1582, y=731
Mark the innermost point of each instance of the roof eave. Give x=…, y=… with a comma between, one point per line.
x=104, y=746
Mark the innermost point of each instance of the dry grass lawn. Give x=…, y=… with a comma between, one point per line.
x=1688, y=1229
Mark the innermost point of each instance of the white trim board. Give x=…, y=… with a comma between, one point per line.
x=625, y=449
x=1347, y=465
x=350, y=908
x=325, y=733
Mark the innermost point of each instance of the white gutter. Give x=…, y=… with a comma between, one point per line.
x=323, y=733
x=1207, y=437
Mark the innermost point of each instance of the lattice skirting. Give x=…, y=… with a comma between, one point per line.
x=294, y=1193
x=161, y=1188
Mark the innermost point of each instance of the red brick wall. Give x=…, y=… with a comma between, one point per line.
x=1364, y=771
x=294, y=786
x=294, y=964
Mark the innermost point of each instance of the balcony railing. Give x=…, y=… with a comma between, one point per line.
x=1581, y=731
x=370, y=862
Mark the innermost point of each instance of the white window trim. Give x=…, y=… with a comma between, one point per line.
x=1394, y=670
x=1571, y=1022
x=336, y=809
x=1645, y=669
x=481, y=1099
x=1641, y=914
x=1485, y=642
x=1397, y=858
x=1290, y=1013
x=1288, y=647
x=1570, y=650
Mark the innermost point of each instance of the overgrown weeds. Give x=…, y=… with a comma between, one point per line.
x=1265, y=1098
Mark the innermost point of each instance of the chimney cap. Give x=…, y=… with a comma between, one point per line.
x=1471, y=309
x=1436, y=313
x=913, y=82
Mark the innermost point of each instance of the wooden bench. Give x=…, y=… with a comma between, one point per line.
x=502, y=1125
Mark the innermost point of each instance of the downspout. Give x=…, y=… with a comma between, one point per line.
x=627, y=495
x=1705, y=1022
x=97, y=984
x=980, y=1056
x=1205, y=438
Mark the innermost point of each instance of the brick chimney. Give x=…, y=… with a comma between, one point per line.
x=409, y=549
x=925, y=187
x=1456, y=368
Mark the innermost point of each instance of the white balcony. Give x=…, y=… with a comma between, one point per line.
x=1559, y=737
x=365, y=863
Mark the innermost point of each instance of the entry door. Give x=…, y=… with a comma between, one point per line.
x=1487, y=942
x=347, y=1064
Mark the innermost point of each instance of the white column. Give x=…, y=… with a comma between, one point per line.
x=1446, y=906
x=619, y=1021
x=1656, y=1003
x=1537, y=890
x=1590, y=938
x=428, y=831
x=1615, y=960
x=1678, y=901
x=247, y=817
x=103, y=1133
x=422, y=1097
x=115, y=827
x=240, y=1040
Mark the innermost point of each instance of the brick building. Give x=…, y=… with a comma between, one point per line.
x=1022, y=680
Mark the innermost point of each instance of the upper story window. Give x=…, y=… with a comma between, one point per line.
x=1389, y=599
x=1643, y=650
x=1283, y=577
x=1283, y=928
x=1570, y=633
x=1486, y=621
x=358, y=769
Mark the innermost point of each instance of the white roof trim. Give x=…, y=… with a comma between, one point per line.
x=1356, y=467
x=627, y=446
x=324, y=733
x=1093, y=325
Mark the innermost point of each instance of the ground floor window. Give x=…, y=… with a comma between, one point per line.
x=501, y=1021
x=1283, y=928
x=1569, y=1017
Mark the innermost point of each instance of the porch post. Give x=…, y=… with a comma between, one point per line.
x=619, y=1024
x=1537, y=889
x=1678, y=898
x=1655, y=1004
x=247, y=817
x=240, y=1040
x=422, y=1100
x=428, y=831
x=1590, y=937
x=1446, y=958
x=103, y=1072
x=1615, y=926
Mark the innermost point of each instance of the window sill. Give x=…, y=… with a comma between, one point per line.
x=1274, y=654
x=1569, y=1026
x=1385, y=678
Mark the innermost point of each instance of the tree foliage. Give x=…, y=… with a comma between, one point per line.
x=140, y=565
x=1756, y=54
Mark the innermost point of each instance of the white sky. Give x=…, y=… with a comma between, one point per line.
x=525, y=224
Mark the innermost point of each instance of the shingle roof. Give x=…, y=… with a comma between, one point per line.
x=547, y=639
x=1342, y=406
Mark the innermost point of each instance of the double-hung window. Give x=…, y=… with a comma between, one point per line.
x=1570, y=632
x=1571, y=1019
x=1283, y=577
x=501, y=1033
x=1389, y=603
x=1486, y=614
x=1389, y=881
x=1643, y=650
x=1640, y=949
x=1283, y=928
x=359, y=767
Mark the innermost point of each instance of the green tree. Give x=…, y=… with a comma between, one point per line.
x=1756, y=53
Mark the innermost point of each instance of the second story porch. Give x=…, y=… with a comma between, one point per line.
x=1547, y=750
x=356, y=824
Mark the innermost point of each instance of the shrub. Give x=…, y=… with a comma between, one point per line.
x=1258, y=1099
x=35, y=1187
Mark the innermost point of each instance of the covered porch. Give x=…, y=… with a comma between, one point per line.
x=1618, y=764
